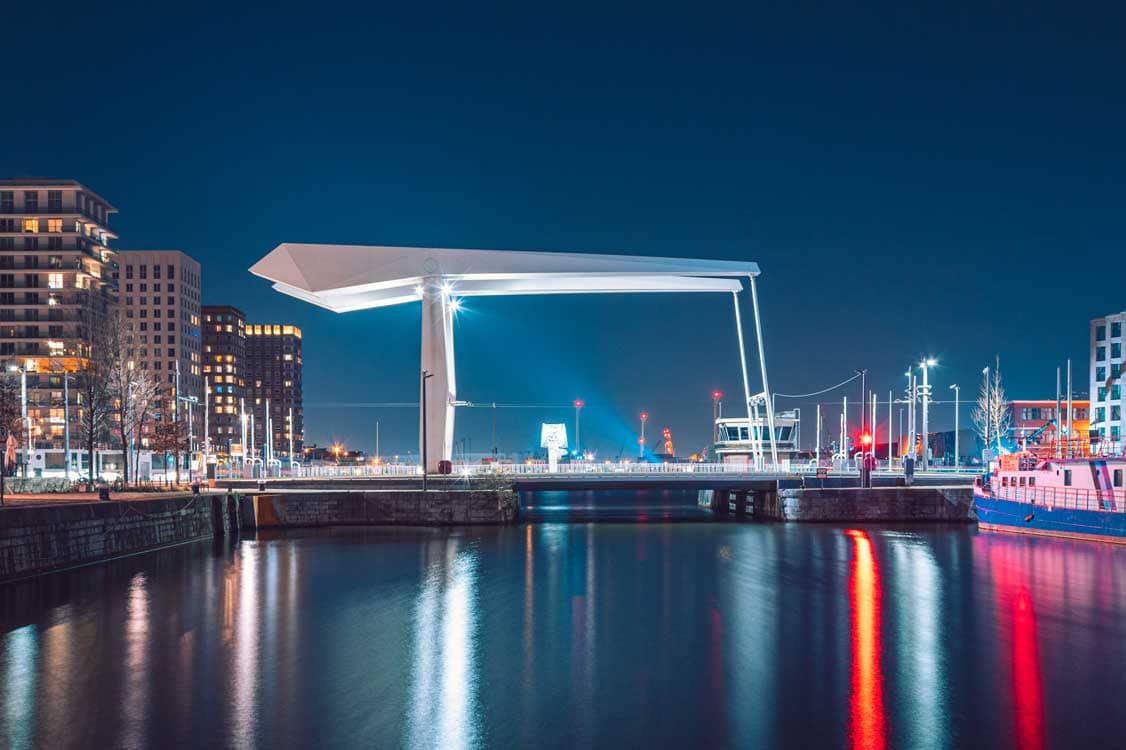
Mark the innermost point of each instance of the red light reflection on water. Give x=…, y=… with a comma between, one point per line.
x=867, y=728
x=1015, y=602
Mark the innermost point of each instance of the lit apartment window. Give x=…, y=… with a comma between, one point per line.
x=55, y=281
x=54, y=225
x=31, y=225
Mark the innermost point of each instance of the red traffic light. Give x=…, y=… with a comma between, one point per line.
x=579, y=403
x=717, y=395
x=866, y=439
x=644, y=416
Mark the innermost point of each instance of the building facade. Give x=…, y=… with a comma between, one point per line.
x=1035, y=420
x=273, y=374
x=160, y=299
x=224, y=370
x=57, y=283
x=1106, y=374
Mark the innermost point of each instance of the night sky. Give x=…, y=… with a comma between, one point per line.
x=944, y=181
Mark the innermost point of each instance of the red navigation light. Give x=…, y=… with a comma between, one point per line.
x=717, y=395
x=866, y=439
x=644, y=416
x=579, y=403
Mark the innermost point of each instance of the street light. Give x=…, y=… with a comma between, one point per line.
x=925, y=365
x=641, y=442
x=578, y=404
x=988, y=408
x=717, y=406
x=23, y=412
x=957, y=393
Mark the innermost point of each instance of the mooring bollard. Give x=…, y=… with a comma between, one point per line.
x=103, y=492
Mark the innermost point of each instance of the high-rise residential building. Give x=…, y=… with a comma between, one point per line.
x=1106, y=376
x=224, y=369
x=273, y=373
x=56, y=282
x=160, y=299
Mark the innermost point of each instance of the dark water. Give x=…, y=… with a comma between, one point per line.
x=552, y=635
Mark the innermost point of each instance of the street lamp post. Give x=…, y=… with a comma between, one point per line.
x=66, y=425
x=641, y=442
x=425, y=376
x=578, y=443
x=988, y=408
x=717, y=397
x=926, y=364
x=957, y=393
x=24, y=419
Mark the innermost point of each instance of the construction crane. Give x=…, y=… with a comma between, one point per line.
x=666, y=434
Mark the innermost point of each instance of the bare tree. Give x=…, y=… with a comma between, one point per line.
x=992, y=416
x=134, y=390
x=94, y=396
x=170, y=436
x=11, y=412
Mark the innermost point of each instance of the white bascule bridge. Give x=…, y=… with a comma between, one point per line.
x=343, y=278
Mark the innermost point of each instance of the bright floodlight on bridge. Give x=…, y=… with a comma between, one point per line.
x=343, y=278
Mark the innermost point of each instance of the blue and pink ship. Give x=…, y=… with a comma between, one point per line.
x=1081, y=498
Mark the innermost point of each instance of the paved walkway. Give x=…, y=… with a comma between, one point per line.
x=59, y=498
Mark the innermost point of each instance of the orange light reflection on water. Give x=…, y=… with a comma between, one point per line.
x=867, y=727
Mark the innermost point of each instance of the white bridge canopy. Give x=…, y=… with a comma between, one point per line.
x=343, y=278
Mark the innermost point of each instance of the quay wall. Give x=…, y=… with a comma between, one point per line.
x=379, y=507
x=38, y=539
x=41, y=538
x=852, y=504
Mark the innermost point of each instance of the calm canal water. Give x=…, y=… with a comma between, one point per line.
x=561, y=635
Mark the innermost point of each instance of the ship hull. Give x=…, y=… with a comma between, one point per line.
x=1025, y=518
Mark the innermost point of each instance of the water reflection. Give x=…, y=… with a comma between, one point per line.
x=919, y=652
x=1018, y=624
x=135, y=705
x=599, y=635
x=867, y=728
x=444, y=711
x=20, y=677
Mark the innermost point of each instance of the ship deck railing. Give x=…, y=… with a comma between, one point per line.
x=1065, y=498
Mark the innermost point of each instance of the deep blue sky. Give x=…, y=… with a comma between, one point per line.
x=940, y=180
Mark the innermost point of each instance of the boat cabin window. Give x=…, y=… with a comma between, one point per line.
x=1005, y=481
x=1067, y=477
x=1118, y=477
x=1022, y=481
x=1032, y=481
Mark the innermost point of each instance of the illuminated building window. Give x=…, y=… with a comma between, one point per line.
x=55, y=280
x=54, y=225
x=31, y=225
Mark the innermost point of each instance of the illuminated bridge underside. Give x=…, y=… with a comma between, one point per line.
x=343, y=278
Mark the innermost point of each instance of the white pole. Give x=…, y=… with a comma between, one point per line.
x=291, y=438
x=926, y=417
x=1069, y=410
x=206, y=422
x=817, y=447
x=844, y=427
x=756, y=445
x=66, y=423
x=1059, y=418
x=891, y=399
x=26, y=420
x=957, y=391
x=242, y=421
x=765, y=382
x=268, y=447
